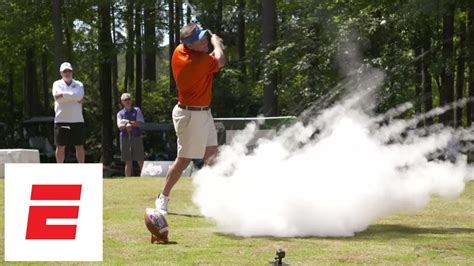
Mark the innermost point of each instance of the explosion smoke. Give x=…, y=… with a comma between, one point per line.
x=333, y=174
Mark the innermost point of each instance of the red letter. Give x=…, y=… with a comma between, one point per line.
x=56, y=192
x=37, y=227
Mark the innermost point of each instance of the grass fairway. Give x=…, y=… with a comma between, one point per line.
x=443, y=233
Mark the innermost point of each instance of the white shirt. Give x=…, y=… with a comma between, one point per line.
x=68, y=109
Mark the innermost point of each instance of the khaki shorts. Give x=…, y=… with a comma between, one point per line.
x=195, y=131
x=132, y=149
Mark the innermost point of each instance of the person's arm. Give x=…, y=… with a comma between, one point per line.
x=136, y=123
x=66, y=96
x=218, y=51
x=72, y=96
x=81, y=91
x=140, y=121
x=57, y=93
x=121, y=123
x=76, y=95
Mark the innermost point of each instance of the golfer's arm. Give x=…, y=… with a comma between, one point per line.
x=219, y=54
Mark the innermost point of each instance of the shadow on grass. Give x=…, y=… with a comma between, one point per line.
x=186, y=215
x=167, y=243
x=271, y=238
x=378, y=231
x=391, y=231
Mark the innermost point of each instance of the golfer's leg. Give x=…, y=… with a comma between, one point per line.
x=80, y=153
x=128, y=168
x=174, y=173
x=211, y=139
x=60, y=152
x=210, y=155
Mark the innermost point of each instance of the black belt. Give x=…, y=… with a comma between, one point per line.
x=193, y=108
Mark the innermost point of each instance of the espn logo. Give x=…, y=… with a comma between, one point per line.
x=37, y=227
x=53, y=212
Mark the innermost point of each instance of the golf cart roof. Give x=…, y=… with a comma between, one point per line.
x=39, y=119
x=157, y=127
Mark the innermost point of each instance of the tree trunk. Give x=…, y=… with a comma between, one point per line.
x=31, y=100
x=14, y=112
x=219, y=11
x=10, y=93
x=150, y=42
x=177, y=21
x=241, y=37
x=426, y=75
x=115, y=92
x=58, y=37
x=460, y=70
x=447, y=73
x=67, y=32
x=470, y=48
x=418, y=73
x=270, y=76
x=105, y=81
x=129, y=56
x=171, y=45
x=181, y=12
x=138, y=54
x=44, y=81
x=188, y=15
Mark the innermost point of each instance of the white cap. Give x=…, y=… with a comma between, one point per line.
x=125, y=96
x=64, y=66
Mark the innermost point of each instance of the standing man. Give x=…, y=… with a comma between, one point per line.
x=193, y=70
x=129, y=121
x=68, y=121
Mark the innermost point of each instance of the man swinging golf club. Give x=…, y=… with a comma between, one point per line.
x=193, y=70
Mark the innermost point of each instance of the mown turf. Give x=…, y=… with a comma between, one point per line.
x=443, y=233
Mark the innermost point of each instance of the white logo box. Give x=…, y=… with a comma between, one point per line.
x=87, y=243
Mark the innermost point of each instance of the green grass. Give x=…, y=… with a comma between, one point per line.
x=443, y=233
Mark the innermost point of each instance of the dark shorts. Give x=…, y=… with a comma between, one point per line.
x=69, y=134
x=132, y=149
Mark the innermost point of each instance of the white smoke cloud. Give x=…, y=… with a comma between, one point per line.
x=358, y=167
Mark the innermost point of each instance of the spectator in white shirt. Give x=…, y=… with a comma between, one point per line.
x=68, y=122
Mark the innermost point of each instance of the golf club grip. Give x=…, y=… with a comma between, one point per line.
x=210, y=33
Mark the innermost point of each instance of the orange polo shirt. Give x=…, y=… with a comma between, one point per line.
x=193, y=73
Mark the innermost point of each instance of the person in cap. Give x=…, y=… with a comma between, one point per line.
x=69, y=128
x=129, y=121
x=193, y=70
